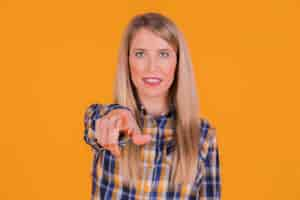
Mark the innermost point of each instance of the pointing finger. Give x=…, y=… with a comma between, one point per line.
x=140, y=139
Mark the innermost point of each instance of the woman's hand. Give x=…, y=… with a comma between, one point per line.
x=109, y=126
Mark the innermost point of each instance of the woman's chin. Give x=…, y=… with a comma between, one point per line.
x=153, y=93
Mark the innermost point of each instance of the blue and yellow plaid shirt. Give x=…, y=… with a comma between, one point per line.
x=157, y=159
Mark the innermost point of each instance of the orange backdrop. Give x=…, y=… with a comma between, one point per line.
x=57, y=57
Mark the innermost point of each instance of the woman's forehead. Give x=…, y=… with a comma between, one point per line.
x=147, y=40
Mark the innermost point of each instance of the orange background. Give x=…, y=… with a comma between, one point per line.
x=57, y=57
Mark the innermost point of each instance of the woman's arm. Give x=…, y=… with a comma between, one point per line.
x=211, y=182
x=92, y=113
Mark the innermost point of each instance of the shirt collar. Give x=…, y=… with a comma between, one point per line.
x=164, y=121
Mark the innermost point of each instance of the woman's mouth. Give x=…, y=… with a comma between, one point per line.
x=152, y=81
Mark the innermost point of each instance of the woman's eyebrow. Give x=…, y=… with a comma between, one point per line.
x=138, y=49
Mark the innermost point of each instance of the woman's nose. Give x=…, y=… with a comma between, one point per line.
x=152, y=63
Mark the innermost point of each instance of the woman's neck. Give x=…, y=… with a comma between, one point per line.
x=155, y=106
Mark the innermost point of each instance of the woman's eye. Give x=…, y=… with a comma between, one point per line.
x=139, y=54
x=164, y=54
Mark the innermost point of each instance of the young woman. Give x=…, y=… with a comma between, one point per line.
x=150, y=143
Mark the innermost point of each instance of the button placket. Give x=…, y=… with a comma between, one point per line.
x=157, y=146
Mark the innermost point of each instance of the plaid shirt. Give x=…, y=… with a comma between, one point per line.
x=157, y=159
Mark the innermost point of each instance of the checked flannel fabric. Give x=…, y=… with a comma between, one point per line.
x=157, y=161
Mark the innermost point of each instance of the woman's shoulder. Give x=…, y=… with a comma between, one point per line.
x=208, y=136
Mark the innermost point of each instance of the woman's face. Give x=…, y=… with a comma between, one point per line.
x=152, y=64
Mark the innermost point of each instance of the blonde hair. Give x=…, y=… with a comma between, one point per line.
x=187, y=118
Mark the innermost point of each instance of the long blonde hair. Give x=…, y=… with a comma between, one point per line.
x=187, y=118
